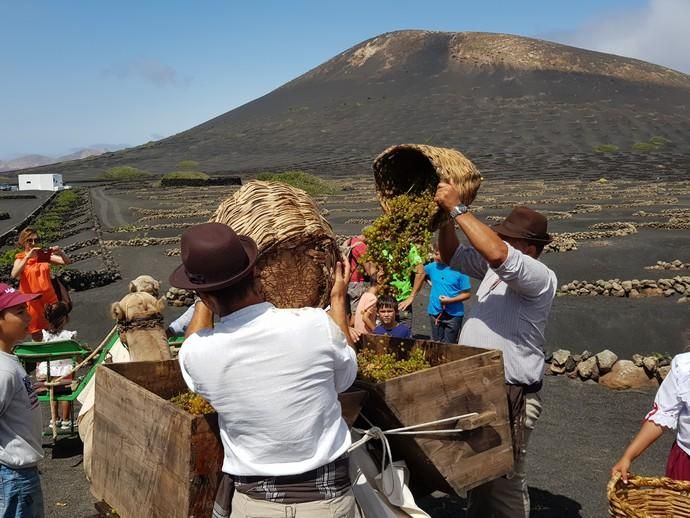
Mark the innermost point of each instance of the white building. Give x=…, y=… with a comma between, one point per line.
x=40, y=182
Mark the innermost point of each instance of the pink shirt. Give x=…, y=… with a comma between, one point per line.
x=359, y=248
x=365, y=302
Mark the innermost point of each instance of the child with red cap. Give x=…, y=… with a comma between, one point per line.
x=20, y=415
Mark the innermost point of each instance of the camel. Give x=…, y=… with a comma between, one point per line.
x=140, y=322
x=145, y=283
x=145, y=343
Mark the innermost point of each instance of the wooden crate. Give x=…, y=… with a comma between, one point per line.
x=461, y=380
x=151, y=458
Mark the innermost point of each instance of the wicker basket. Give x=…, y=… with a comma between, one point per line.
x=297, y=247
x=418, y=168
x=648, y=497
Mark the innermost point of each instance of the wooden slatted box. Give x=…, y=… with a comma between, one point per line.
x=461, y=380
x=151, y=458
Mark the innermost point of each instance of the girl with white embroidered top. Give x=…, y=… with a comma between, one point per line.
x=671, y=410
x=57, y=316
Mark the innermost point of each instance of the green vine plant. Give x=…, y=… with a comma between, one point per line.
x=390, y=237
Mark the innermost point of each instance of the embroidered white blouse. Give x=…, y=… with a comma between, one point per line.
x=672, y=402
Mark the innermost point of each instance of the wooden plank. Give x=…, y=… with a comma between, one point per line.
x=206, y=454
x=351, y=403
x=163, y=378
x=132, y=460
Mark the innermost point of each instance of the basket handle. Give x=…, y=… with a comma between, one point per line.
x=611, y=486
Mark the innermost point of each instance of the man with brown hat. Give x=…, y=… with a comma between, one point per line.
x=273, y=376
x=512, y=305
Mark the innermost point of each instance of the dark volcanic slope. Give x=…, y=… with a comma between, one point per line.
x=490, y=95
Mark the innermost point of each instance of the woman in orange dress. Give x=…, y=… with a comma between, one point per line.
x=32, y=268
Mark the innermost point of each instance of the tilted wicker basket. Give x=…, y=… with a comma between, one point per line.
x=418, y=168
x=648, y=497
x=297, y=246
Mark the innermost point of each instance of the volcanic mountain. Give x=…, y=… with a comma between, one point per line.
x=508, y=102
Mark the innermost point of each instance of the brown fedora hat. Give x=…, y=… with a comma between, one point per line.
x=213, y=257
x=524, y=223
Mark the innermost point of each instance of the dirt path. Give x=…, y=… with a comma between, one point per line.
x=108, y=210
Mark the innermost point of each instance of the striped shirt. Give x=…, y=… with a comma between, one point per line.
x=510, y=311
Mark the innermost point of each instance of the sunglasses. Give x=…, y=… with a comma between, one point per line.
x=35, y=240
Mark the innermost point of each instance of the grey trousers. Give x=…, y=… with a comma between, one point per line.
x=507, y=497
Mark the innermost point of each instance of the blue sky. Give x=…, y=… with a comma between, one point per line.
x=80, y=73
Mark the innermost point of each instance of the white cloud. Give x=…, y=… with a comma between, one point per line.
x=658, y=33
x=150, y=70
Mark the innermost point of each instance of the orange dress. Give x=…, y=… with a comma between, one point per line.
x=35, y=278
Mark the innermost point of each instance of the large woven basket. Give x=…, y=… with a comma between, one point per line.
x=297, y=246
x=418, y=168
x=648, y=497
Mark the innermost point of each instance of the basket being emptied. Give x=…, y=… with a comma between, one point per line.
x=418, y=168
x=648, y=497
x=297, y=246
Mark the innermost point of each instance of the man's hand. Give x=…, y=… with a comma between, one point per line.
x=338, y=298
x=342, y=276
x=447, y=196
x=444, y=300
x=405, y=303
x=355, y=335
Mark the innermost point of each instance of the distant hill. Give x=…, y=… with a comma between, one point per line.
x=29, y=161
x=508, y=102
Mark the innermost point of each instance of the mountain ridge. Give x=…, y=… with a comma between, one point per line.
x=485, y=94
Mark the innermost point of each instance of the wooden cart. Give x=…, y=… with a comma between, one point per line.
x=461, y=380
x=150, y=458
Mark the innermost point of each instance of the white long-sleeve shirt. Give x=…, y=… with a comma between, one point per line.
x=672, y=402
x=510, y=310
x=273, y=375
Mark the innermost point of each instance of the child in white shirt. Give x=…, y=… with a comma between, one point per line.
x=57, y=316
x=671, y=410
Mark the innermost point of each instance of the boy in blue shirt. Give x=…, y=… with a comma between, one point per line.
x=449, y=288
x=387, y=308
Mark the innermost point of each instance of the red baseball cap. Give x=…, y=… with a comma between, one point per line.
x=9, y=297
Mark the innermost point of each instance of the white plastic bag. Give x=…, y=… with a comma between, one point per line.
x=381, y=495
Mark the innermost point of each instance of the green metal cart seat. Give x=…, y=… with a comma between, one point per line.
x=66, y=349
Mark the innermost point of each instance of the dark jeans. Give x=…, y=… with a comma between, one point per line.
x=446, y=329
x=20, y=493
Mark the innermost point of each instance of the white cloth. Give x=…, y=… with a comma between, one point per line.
x=672, y=402
x=117, y=354
x=57, y=367
x=180, y=324
x=273, y=375
x=381, y=495
x=510, y=311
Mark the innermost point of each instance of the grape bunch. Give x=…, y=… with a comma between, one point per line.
x=406, y=222
x=378, y=368
x=192, y=403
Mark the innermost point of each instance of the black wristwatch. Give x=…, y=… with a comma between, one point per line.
x=458, y=210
